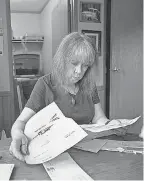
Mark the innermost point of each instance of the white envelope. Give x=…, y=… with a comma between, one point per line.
x=65, y=168
x=50, y=134
x=6, y=171
x=113, y=124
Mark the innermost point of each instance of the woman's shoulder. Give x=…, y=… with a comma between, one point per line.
x=46, y=79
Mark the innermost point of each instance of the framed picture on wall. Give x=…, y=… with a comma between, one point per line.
x=90, y=12
x=96, y=38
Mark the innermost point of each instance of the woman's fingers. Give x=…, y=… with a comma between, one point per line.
x=15, y=150
x=120, y=131
x=24, y=145
x=10, y=150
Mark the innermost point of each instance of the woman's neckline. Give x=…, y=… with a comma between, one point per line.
x=70, y=91
x=66, y=88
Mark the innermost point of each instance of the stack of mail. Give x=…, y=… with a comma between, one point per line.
x=50, y=134
x=94, y=145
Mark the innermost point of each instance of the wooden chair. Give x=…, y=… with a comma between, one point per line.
x=24, y=90
x=21, y=99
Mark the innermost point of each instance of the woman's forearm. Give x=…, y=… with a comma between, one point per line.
x=17, y=128
x=19, y=125
x=99, y=117
x=100, y=120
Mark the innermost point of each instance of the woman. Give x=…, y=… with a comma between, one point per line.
x=71, y=85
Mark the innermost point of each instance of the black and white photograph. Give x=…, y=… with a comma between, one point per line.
x=71, y=90
x=90, y=12
x=96, y=39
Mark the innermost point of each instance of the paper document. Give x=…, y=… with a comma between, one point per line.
x=124, y=146
x=111, y=145
x=65, y=168
x=91, y=146
x=6, y=171
x=113, y=124
x=50, y=134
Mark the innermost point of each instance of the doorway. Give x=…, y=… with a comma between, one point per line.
x=124, y=61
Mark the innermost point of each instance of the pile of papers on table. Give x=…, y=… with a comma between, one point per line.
x=51, y=134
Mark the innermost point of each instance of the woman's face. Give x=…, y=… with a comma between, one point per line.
x=75, y=71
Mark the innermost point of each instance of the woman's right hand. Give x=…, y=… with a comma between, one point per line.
x=18, y=147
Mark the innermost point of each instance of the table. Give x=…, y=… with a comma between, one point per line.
x=104, y=165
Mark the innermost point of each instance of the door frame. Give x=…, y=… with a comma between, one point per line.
x=108, y=50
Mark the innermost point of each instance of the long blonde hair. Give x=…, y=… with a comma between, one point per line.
x=75, y=44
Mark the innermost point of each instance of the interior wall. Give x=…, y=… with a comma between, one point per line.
x=45, y=17
x=52, y=36
x=100, y=68
x=23, y=23
x=95, y=27
x=6, y=78
x=4, y=59
x=59, y=23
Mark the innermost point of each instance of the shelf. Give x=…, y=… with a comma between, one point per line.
x=27, y=41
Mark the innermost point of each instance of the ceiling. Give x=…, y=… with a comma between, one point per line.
x=27, y=6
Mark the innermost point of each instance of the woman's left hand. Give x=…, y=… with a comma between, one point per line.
x=120, y=131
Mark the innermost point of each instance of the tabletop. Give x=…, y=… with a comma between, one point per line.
x=104, y=165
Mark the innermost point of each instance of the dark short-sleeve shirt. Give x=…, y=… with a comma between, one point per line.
x=45, y=92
